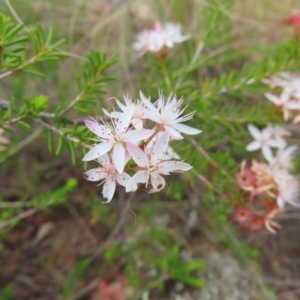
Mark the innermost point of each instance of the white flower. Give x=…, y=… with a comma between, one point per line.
x=152, y=165
x=155, y=40
x=264, y=140
x=108, y=174
x=288, y=188
x=169, y=116
x=138, y=116
x=115, y=137
x=285, y=102
x=283, y=157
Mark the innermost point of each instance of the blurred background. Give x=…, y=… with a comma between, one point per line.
x=178, y=244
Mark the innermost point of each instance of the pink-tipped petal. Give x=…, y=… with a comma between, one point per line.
x=118, y=157
x=98, y=129
x=97, y=151
x=138, y=155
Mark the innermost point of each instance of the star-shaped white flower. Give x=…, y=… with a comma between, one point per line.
x=285, y=102
x=108, y=174
x=283, y=157
x=264, y=140
x=169, y=116
x=115, y=138
x=152, y=165
x=288, y=188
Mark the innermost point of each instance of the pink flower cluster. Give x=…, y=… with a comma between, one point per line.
x=287, y=95
x=268, y=185
x=126, y=146
x=118, y=290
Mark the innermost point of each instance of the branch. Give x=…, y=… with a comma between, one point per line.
x=59, y=132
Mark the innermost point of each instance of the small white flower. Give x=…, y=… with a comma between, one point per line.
x=288, y=188
x=283, y=157
x=169, y=116
x=155, y=40
x=115, y=137
x=108, y=174
x=264, y=140
x=152, y=165
x=285, y=102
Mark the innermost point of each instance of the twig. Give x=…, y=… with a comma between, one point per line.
x=59, y=132
x=15, y=204
x=25, y=214
x=22, y=144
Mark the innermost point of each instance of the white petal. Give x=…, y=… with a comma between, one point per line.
x=104, y=160
x=254, y=131
x=174, y=133
x=138, y=177
x=154, y=116
x=97, y=151
x=109, y=188
x=160, y=148
x=94, y=174
x=272, y=98
x=137, y=123
x=124, y=120
x=123, y=178
x=118, y=157
x=253, y=146
x=186, y=129
x=98, y=129
x=278, y=143
x=156, y=182
x=138, y=155
x=138, y=135
x=172, y=166
x=267, y=153
x=123, y=107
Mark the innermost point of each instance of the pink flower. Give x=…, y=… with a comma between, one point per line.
x=152, y=165
x=264, y=140
x=169, y=116
x=115, y=138
x=109, y=176
x=293, y=20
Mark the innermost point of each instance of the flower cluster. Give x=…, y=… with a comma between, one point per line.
x=125, y=146
x=269, y=185
x=117, y=290
x=287, y=96
x=154, y=40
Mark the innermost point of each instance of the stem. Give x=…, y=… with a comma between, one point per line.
x=164, y=70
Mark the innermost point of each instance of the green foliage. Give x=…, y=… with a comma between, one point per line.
x=7, y=293
x=75, y=277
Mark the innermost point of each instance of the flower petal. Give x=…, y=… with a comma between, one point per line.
x=94, y=174
x=109, y=188
x=157, y=181
x=138, y=177
x=267, y=153
x=123, y=178
x=118, y=157
x=138, y=155
x=138, y=135
x=97, y=151
x=160, y=148
x=98, y=129
x=253, y=146
x=186, y=129
x=174, y=133
x=124, y=120
x=254, y=131
x=172, y=166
